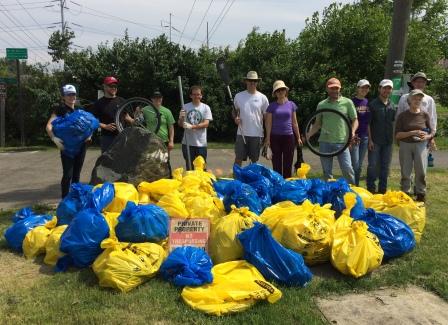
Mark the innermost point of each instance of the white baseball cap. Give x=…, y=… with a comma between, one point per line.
x=386, y=83
x=68, y=90
x=363, y=82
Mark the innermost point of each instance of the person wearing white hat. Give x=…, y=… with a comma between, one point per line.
x=420, y=81
x=251, y=105
x=381, y=138
x=71, y=167
x=282, y=130
x=358, y=148
x=413, y=131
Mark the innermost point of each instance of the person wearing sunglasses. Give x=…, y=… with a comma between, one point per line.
x=105, y=109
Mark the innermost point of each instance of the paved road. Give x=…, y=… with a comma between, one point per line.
x=32, y=177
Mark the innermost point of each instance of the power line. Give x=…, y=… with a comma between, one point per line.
x=219, y=16
x=32, y=18
x=186, y=23
x=17, y=23
x=200, y=24
x=222, y=18
x=26, y=3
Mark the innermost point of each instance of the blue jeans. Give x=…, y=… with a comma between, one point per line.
x=194, y=152
x=358, y=153
x=378, y=167
x=345, y=162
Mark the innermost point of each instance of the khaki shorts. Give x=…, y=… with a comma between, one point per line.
x=251, y=149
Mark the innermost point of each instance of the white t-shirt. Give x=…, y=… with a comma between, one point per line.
x=252, y=109
x=428, y=106
x=196, y=115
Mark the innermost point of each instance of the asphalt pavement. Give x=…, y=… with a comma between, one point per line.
x=32, y=177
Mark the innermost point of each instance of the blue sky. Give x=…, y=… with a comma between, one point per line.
x=28, y=23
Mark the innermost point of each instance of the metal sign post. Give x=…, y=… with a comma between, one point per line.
x=2, y=114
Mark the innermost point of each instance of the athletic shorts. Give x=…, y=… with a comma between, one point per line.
x=251, y=149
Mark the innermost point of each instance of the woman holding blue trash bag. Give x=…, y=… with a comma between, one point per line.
x=70, y=128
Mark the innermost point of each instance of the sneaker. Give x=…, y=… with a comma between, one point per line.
x=420, y=198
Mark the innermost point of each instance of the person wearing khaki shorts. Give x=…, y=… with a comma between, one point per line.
x=251, y=106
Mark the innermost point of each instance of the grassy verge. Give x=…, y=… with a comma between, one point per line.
x=31, y=293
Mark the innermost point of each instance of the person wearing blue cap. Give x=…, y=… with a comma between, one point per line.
x=71, y=166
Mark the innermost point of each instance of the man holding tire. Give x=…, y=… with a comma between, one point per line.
x=105, y=109
x=335, y=136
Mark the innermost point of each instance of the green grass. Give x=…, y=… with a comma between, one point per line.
x=31, y=293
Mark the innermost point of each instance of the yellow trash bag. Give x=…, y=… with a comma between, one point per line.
x=174, y=205
x=198, y=179
x=157, y=189
x=203, y=205
x=112, y=222
x=363, y=193
x=35, y=240
x=124, y=192
x=304, y=228
x=303, y=170
x=403, y=207
x=52, y=246
x=344, y=219
x=223, y=244
x=355, y=250
x=236, y=286
x=124, y=266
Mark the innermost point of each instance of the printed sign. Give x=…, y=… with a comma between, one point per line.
x=189, y=232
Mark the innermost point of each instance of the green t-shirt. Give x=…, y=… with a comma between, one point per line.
x=333, y=128
x=166, y=120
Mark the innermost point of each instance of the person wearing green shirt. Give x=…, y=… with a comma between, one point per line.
x=336, y=136
x=166, y=130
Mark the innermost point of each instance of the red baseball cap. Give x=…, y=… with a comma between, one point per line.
x=110, y=80
x=333, y=82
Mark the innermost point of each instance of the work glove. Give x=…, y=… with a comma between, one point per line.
x=58, y=142
x=187, y=125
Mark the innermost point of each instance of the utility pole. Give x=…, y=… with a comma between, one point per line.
x=397, y=45
x=170, y=26
x=207, y=35
x=63, y=25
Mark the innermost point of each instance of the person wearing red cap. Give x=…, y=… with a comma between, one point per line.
x=105, y=109
x=333, y=140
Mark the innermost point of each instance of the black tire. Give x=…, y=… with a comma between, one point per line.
x=309, y=123
x=134, y=106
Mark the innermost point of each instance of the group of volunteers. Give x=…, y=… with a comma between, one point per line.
x=376, y=124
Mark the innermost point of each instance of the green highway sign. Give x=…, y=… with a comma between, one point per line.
x=16, y=53
x=8, y=80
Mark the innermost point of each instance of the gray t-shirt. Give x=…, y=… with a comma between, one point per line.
x=195, y=115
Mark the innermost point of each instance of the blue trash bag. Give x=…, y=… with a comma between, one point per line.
x=82, y=196
x=242, y=195
x=263, y=187
x=295, y=191
x=223, y=186
x=396, y=237
x=82, y=239
x=274, y=261
x=252, y=173
x=318, y=191
x=76, y=200
x=73, y=129
x=142, y=223
x=335, y=196
x=102, y=196
x=187, y=266
x=24, y=220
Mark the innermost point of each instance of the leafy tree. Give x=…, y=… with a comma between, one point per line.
x=59, y=44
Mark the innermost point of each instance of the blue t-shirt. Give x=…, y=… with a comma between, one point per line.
x=282, y=117
x=363, y=113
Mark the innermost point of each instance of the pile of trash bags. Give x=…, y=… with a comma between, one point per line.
x=265, y=232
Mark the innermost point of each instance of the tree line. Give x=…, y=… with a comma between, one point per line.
x=348, y=41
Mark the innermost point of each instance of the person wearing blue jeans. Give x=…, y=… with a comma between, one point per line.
x=336, y=131
x=381, y=137
x=358, y=148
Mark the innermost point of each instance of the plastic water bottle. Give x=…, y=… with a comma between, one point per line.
x=430, y=160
